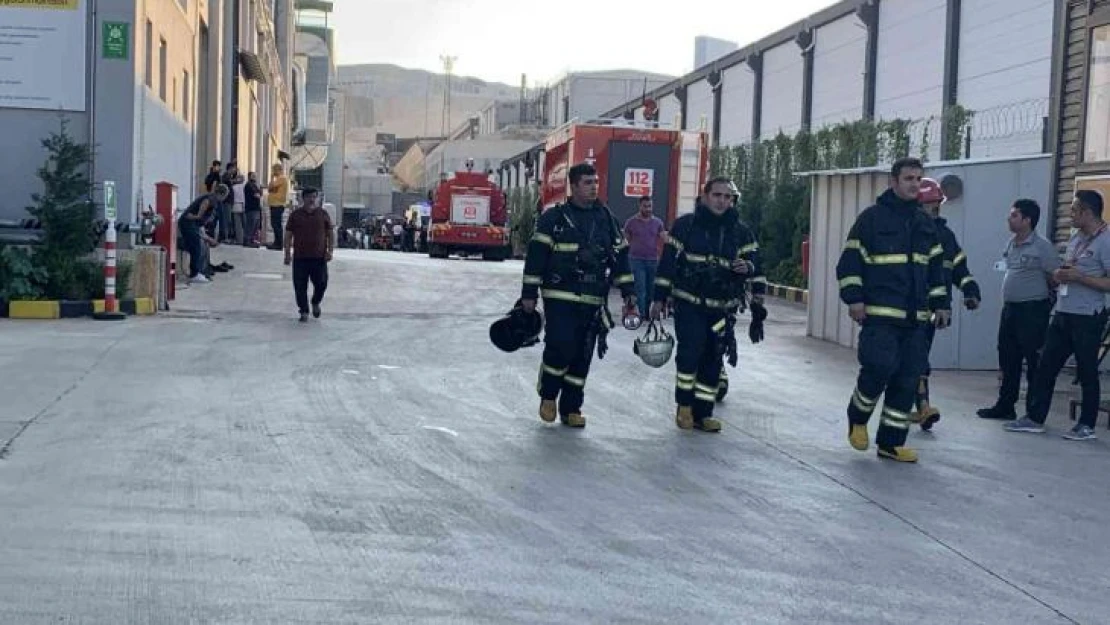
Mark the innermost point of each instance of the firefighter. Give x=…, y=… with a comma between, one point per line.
x=956, y=273
x=575, y=256
x=707, y=260
x=891, y=276
x=722, y=386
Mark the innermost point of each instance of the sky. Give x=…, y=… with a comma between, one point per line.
x=498, y=40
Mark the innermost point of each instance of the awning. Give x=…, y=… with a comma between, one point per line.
x=252, y=66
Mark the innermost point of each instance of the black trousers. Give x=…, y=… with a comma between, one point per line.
x=566, y=353
x=891, y=359
x=1021, y=336
x=276, y=213
x=698, y=359
x=1069, y=334
x=305, y=270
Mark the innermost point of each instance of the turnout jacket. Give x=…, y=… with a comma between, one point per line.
x=956, y=272
x=576, y=255
x=893, y=263
x=696, y=266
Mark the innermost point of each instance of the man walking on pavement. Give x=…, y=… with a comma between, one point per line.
x=708, y=258
x=1029, y=262
x=1077, y=326
x=956, y=273
x=309, y=241
x=891, y=276
x=645, y=232
x=575, y=256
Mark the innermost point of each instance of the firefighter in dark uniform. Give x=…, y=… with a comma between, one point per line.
x=722, y=386
x=577, y=253
x=891, y=276
x=956, y=273
x=708, y=259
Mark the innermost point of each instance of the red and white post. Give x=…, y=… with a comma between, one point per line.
x=111, y=306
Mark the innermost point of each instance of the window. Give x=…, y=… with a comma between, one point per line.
x=173, y=96
x=185, y=93
x=149, y=69
x=162, y=69
x=1096, y=143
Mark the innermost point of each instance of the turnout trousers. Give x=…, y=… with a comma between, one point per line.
x=698, y=361
x=566, y=353
x=891, y=359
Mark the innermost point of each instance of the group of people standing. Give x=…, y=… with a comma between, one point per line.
x=896, y=274
x=237, y=217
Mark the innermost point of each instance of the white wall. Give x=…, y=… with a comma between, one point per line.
x=669, y=107
x=839, y=57
x=699, y=101
x=1005, y=72
x=782, y=90
x=737, y=92
x=910, y=69
x=163, y=153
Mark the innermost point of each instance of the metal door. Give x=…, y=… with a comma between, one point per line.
x=633, y=169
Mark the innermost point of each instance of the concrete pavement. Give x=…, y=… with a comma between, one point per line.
x=224, y=464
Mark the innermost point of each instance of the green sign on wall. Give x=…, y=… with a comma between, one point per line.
x=115, y=40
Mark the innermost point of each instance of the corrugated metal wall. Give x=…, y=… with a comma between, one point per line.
x=838, y=61
x=782, y=90
x=737, y=100
x=699, y=102
x=979, y=222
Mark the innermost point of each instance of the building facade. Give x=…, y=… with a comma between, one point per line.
x=147, y=85
x=1081, y=86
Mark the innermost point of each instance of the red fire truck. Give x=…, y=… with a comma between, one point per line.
x=469, y=217
x=633, y=159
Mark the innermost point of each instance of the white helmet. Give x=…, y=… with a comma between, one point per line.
x=655, y=346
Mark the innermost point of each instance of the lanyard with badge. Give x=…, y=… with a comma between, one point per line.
x=1071, y=259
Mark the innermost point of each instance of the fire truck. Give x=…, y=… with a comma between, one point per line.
x=633, y=159
x=469, y=217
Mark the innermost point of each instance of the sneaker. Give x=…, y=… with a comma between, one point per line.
x=1026, y=425
x=316, y=311
x=1081, y=433
x=994, y=412
x=200, y=278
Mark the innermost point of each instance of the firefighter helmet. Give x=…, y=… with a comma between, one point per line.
x=516, y=329
x=930, y=192
x=655, y=346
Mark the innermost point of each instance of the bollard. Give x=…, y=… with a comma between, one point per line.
x=111, y=308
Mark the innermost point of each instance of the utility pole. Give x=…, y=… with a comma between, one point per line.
x=448, y=67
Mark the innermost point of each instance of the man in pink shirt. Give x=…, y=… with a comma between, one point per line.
x=645, y=233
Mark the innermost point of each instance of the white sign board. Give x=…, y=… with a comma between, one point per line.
x=470, y=210
x=42, y=54
x=109, y=200
x=638, y=182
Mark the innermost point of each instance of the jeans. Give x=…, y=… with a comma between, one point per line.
x=194, y=246
x=644, y=273
x=304, y=270
x=252, y=219
x=1069, y=334
x=224, y=225
x=276, y=213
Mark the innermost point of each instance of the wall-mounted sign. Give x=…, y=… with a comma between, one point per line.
x=115, y=40
x=43, y=33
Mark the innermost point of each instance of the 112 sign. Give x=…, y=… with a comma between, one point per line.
x=638, y=182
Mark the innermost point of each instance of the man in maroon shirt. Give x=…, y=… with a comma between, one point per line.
x=645, y=233
x=309, y=241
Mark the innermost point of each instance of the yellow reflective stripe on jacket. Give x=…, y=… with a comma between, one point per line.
x=887, y=259
x=851, y=281
x=751, y=247
x=760, y=280
x=566, y=296
x=533, y=280
x=663, y=282
x=696, y=258
x=959, y=257
x=938, y=291
x=683, y=295
x=719, y=326
x=624, y=279
x=885, y=311
x=675, y=243
x=924, y=315
x=949, y=264
x=966, y=281
x=936, y=251
x=921, y=259
x=566, y=247
x=540, y=237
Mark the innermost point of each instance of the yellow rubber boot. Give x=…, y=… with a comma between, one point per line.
x=898, y=454
x=685, y=418
x=858, y=437
x=574, y=420
x=708, y=424
x=548, y=410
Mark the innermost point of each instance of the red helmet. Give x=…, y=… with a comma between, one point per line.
x=929, y=192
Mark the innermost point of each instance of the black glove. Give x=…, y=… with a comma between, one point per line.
x=755, y=330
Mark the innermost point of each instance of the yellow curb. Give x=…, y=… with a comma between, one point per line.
x=34, y=310
x=144, y=306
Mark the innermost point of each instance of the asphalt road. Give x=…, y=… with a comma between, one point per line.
x=224, y=464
